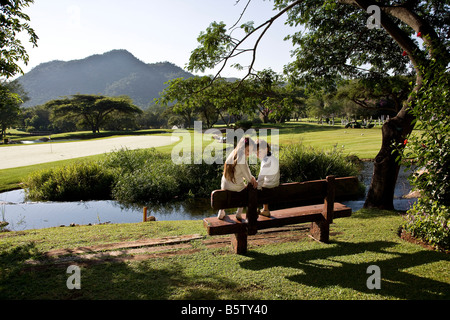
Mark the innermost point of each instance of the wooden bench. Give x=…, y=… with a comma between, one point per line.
x=289, y=203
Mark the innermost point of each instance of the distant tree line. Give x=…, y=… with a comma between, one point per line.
x=263, y=98
x=268, y=97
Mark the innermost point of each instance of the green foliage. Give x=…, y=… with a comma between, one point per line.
x=430, y=150
x=299, y=163
x=209, y=99
x=154, y=181
x=78, y=181
x=429, y=220
x=214, y=43
x=148, y=175
x=12, y=22
x=244, y=124
x=9, y=108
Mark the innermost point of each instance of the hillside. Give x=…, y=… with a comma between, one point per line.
x=113, y=73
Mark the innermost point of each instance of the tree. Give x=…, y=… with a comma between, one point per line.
x=36, y=118
x=233, y=100
x=381, y=94
x=179, y=94
x=152, y=117
x=92, y=109
x=12, y=22
x=9, y=108
x=337, y=43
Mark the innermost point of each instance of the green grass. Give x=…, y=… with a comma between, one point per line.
x=11, y=178
x=302, y=269
x=364, y=143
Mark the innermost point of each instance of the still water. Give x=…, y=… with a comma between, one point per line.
x=22, y=215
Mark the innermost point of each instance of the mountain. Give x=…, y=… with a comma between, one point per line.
x=113, y=73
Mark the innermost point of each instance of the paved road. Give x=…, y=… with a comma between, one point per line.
x=25, y=155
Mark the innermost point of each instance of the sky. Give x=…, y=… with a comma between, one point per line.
x=152, y=30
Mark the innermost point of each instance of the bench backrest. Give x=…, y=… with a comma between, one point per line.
x=287, y=193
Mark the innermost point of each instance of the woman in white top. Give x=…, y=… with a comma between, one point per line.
x=269, y=174
x=236, y=170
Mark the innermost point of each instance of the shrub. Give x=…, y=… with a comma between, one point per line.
x=430, y=151
x=154, y=181
x=126, y=161
x=243, y=124
x=78, y=181
x=429, y=220
x=161, y=180
x=298, y=163
x=200, y=179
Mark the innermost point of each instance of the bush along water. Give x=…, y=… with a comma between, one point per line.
x=78, y=181
x=299, y=163
x=141, y=176
x=159, y=179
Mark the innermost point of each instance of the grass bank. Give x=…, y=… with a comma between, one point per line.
x=300, y=269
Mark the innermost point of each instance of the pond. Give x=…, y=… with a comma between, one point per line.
x=22, y=215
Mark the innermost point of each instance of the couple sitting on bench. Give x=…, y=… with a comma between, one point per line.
x=236, y=169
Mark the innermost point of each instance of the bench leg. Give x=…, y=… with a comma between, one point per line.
x=320, y=231
x=239, y=242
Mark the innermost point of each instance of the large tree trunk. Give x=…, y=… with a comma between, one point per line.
x=386, y=165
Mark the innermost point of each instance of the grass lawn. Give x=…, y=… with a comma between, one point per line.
x=364, y=143
x=301, y=269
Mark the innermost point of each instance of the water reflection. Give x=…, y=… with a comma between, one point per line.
x=22, y=215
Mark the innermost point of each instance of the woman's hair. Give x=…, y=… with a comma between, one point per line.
x=263, y=144
x=238, y=157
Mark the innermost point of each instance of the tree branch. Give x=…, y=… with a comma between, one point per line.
x=268, y=23
x=242, y=13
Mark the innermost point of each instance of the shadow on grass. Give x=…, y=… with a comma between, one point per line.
x=19, y=280
x=104, y=279
x=337, y=271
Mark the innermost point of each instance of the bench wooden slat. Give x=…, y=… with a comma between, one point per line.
x=292, y=192
x=311, y=191
x=278, y=218
x=346, y=187
x=224, y=199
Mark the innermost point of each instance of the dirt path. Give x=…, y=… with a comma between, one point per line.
x=24, y=155
x=161, y=247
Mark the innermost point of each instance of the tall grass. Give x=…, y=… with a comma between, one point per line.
x=78, y=181
x=141, y=176
x=148, y=175
x=300, y=163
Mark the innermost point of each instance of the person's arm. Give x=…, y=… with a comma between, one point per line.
x=246, y=173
